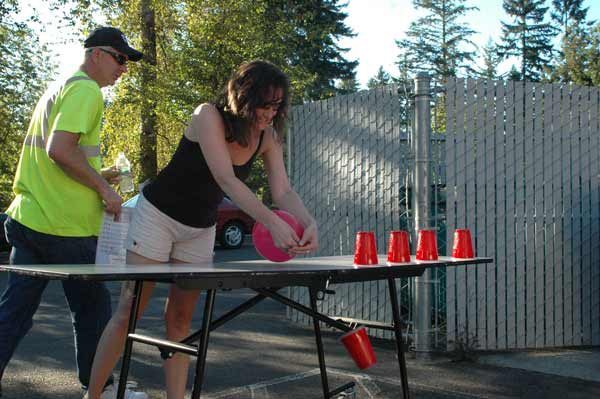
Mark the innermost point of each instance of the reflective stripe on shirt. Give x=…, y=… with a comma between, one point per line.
x=90, y=151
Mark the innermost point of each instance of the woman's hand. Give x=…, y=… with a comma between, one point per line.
x=309, y=241
x=284, y=237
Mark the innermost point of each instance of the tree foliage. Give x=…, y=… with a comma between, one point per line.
x=25, y=69
x=527, y=37
x=568, y=13
x=198, y=44
x=348, y=85
x=491, y=60
x=579, y=60
x=381, y=78
x=594, y=55
x=438, y=43
x=577, y=55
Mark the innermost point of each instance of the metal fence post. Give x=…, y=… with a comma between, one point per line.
x=421, y=203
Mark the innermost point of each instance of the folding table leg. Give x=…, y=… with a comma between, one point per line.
x=398, y=333
x=135, y=304
x=203, y=344
x=321, y=354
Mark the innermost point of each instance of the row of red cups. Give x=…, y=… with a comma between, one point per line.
x=365, y=250
x=357, y=341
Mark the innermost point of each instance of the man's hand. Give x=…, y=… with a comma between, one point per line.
x=111, y=174
x=112, y=201
x=63, y=148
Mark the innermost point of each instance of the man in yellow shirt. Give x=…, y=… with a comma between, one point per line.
x=60, y=194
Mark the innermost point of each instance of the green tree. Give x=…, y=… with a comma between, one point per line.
x=381, y=78
x=347, y=86
x=594, y=56
x=528, y=37
x=573, y=60
x=439, y=42
x=25, y=69
x=490, y=61
x=567, y=13
x=576, y=57
x=147, y=151
x=514, y=74
x=316, y=25
x=198, y=43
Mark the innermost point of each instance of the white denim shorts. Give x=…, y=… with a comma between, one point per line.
x=154, y=235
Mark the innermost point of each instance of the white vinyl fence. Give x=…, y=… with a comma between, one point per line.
x=523, y=166
x=349, y=162
x=516, y=163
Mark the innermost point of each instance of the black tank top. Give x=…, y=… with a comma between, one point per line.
x=186, y=190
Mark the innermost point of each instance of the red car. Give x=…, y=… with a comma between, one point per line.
x=232, y=224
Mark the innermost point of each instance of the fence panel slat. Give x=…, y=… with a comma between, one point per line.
x=461, y=199
x=559, y=205
x=489, y=247
x=511, y=255
x=549, y=167
x=519, y=216
x=479, y=212
x=451, y=184
x=595, y=204
x=500, y=256
x=470, y=211
x=537, y=335
x=577, y=195
x=568, y=160
x=585, y=278
x=529, y=214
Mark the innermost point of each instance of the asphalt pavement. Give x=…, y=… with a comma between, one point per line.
x=262, y=355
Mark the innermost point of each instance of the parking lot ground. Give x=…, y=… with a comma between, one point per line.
x=262, y=355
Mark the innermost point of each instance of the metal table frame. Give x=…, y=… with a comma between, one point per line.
x=263, y=277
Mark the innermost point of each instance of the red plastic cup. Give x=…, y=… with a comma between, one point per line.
x=398, y=249
x=463, y=245
x=365, y=249
x=263, y=241
x=359, y=347
x=427, y=245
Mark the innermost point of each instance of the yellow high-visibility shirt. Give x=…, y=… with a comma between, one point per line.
x=48, y=200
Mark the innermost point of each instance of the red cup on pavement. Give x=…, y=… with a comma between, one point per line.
x=359, y=347
x=365, y=249
x=427, y=245
x=463, y=245
x=398, y=249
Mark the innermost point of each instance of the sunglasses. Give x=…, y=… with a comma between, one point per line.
x=276, y=104
x=119, y=58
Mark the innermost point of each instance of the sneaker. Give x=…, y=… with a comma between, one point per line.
x=110, y=392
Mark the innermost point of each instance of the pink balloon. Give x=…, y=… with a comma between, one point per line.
x=263, y=242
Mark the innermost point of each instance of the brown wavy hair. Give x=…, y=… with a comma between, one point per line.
x=247, y=90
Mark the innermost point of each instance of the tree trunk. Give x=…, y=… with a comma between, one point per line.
x=148, y=157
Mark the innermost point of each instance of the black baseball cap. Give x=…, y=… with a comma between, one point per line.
x=113, y=37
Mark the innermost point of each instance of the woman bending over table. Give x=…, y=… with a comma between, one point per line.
x=174, y=219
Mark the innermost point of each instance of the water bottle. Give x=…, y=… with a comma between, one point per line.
x=124, y=167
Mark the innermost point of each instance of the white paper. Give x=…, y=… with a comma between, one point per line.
x=111, y=242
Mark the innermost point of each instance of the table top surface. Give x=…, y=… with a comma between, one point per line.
x=316, y=266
